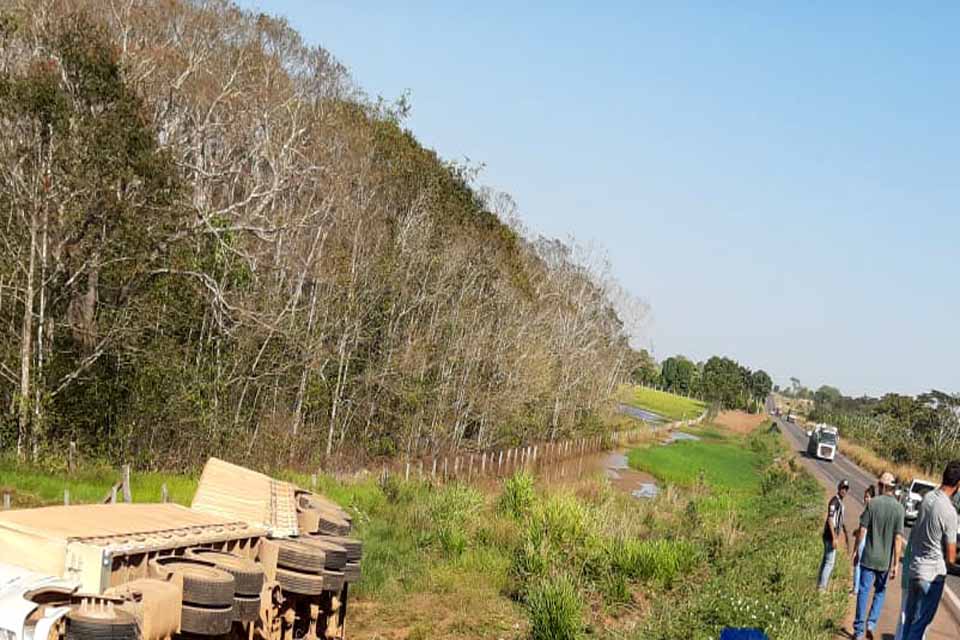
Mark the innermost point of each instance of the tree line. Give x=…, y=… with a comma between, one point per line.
x=719, y=381
x=213, y=242
x=922, y=430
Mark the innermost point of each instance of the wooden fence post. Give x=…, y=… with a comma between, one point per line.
x=127, y=493
x=72, y=457
x=500, y=463
x=407, y=476
x=433, y=473
x=164, y=494
x=483, y=464
x=66, y=497
x=6, y=500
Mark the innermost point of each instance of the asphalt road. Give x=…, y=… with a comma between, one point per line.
x=844, y=469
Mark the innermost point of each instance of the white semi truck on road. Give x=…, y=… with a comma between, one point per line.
x=823, y=441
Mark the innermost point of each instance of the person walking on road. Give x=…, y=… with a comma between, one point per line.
x=882, y=525
x=868, y=495
x=832, y=528
x=933, y=543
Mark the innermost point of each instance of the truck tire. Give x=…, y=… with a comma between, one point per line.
x=300, y=556
x=336, y=555
x=307, y=584
x=247, y=574
x=333, y=580
x=246, y=609
x=351, y=572
x=333, y=525
x=111, y=624
x=206, y=621
x=353, y=546
x=323, y=505
x=203, y=583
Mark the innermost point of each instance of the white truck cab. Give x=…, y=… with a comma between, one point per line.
x=23, y=618
x=823, y=442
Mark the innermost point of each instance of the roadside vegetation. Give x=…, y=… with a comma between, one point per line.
x=726, y=542
x=31, y=485
x=756, y=514
x=668, y=405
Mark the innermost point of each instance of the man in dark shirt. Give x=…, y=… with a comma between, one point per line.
x=882, y=524
x=832, y=528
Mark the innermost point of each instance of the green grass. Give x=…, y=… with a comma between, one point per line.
x=668, y=405
x=31, y=486
x=721, y=464
x=529, y=560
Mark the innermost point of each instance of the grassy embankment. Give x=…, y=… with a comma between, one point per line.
x=733, y=544
x=670, y=406
x=756, y=514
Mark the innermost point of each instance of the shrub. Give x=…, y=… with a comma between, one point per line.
x=661, y=561
x=555, y=609
x=450, y=511
x=518, y=495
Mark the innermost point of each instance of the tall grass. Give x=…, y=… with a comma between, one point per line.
x=556, y=609
x=518, y=495
x=875, y=464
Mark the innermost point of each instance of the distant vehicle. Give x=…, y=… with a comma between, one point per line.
x=823, y=442
x=911, y=498
x=792, y=417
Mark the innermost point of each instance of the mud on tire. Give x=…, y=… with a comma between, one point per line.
x=247, y=574
x=246, y=609
x=112, y=625
x=336, y=555
x=308, y=584
x=203, y=584
x=300, y=556
x=206, y=621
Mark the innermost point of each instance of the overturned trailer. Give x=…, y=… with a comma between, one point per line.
x=253, y=557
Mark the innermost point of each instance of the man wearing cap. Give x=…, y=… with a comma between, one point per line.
x=882, y=524
x=832, y=528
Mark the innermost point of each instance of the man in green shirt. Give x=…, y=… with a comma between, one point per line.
x=882, y=524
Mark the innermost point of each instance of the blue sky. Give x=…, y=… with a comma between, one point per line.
x=780, y=184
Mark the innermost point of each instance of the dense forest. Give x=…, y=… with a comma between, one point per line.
x=720, y=381
x=923, y=431
x=212, y=242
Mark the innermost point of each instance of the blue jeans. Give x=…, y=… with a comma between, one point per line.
x=826, y=565
x=923, y=598
x=856, y=567
x=878, y=580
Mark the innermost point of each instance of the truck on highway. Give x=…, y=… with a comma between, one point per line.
x=823, y=442
x=251, y=558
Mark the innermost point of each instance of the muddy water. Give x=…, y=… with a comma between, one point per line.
x=612, y=464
